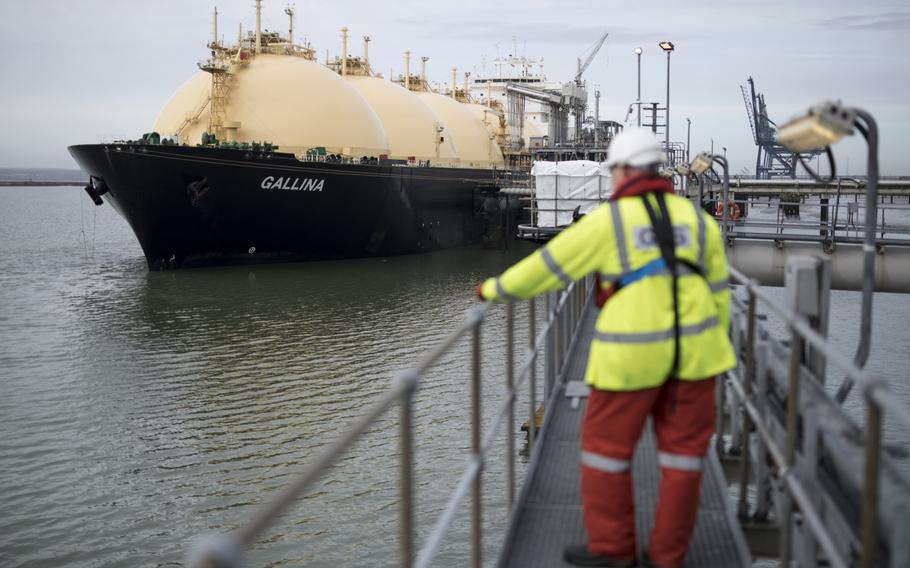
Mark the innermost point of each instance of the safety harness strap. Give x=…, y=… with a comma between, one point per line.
x=663, y=231
x=656, y=267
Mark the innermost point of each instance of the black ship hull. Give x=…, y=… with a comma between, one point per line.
x=197, y=206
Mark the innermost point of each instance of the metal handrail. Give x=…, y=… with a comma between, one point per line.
x=224, y=550
x=878, y=400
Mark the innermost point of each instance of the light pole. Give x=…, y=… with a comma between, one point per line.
x=688, y=143
x=688, y=138
x=668, y=47
x=638, y=99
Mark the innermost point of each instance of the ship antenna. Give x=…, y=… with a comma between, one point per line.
x=258, y=26
x=289, y=10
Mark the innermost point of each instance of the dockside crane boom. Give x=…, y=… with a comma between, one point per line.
x=584, y=65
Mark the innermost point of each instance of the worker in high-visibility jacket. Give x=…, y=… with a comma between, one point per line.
x=660, y=341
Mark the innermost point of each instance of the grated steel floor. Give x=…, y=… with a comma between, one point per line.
x=549, y=516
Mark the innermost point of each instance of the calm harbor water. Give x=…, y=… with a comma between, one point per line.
x=140, y=409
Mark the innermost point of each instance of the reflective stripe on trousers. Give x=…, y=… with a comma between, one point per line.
x=604, y=463
x=679, y=461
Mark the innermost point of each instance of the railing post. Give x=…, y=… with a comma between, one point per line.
x=720, y=402
x=476, y=510
x=762, y=455
x=793, y=376
x=532, y=388
x=745, y=461
x=550, y=342
x=869, y=528
x=510, y=386
x=556, y=332
x=406, y=474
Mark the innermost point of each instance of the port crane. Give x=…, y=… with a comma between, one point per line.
x=577, y=92
x=773, y=160
x=587, y=62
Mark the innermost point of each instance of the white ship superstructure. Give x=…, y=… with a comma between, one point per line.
x=489, y=88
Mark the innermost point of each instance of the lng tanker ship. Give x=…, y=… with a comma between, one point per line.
x=267, y=155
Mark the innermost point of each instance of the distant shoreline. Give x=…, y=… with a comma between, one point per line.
x=39, y=183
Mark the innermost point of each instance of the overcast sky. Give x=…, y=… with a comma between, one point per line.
x=90, y=71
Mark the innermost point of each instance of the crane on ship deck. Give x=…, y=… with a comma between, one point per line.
x=577, y=92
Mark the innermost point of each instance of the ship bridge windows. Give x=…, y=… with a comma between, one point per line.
x=495, y=80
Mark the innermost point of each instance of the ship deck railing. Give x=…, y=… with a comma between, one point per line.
x=808, y=483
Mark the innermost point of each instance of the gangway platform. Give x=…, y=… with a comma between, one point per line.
x=548, y=514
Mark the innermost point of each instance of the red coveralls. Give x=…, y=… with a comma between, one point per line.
x=683, y=422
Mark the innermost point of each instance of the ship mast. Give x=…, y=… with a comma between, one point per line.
x=407, y=69
x=344, y=51
x=454, y=78
x=220, y=69
x=289, y=10
x=215, y=28
x=258, y=26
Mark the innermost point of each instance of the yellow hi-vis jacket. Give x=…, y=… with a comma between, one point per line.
x=633, y=344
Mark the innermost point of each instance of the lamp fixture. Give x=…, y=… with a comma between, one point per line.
x=821, y=126
x=701, y=163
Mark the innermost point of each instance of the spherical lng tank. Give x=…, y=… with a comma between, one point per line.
x=412, y=128
x=476, y=145
x=290, y=101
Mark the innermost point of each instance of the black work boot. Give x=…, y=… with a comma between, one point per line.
x=579, y=555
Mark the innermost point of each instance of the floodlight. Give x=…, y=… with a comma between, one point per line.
x=666, y=45
x=683, y=169
x=667, y=173
x=638, y=50
x=701, y=163
x=822, y=126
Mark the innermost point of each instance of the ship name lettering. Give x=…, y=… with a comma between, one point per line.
x=292, y=184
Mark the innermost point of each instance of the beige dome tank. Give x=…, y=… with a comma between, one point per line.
x=470, y=134
x=290, y=101
x=410, y=125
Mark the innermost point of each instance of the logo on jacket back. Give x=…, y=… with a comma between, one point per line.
x=644, y=237
x=292, y=184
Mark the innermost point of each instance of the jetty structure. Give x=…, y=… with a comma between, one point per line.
x=791, y=474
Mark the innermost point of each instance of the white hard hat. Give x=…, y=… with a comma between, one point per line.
x=635, y=147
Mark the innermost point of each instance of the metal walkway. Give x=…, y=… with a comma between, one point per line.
x=548, y=514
